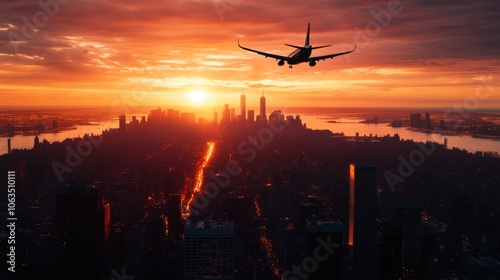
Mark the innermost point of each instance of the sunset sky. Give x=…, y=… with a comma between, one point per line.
x=427, y=53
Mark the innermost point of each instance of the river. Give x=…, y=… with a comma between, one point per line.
x=349, y=126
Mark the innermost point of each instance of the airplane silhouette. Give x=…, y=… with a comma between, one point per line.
x=300, y=55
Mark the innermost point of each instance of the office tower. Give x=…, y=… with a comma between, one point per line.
x=363, y=236
x=232, y=114
x=318, y=233
x=122, y=123
x=289, y=245
x=173, y=207
x=407, y=220
x=54, y=125
x=251, y=116
x=427, y=121
x=226, y=114
x=262, y=114
x=83, y=220
x=243, y=107
x=9, y=148
x=208, y=249
x=416, y=120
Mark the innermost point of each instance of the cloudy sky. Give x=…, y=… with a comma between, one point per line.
x=413, y=53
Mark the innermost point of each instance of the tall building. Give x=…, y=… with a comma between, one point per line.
x=262, y=114
x=251, y=116
x=319, y=232
x=243, y=107
x=232, y=114
x=363, y=236
x=208, y=249
x=83, y=221
x=226, y=114
x=427, y=124
x=416, y=120
x=122, y=123
x=407, y=218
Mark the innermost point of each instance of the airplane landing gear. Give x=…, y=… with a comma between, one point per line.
x=290, y=66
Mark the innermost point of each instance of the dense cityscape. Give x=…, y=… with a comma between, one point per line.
x=250, y=195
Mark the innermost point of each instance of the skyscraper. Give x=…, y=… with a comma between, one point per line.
x=427, y=124
x=320, y=232
x=243, y=107
x=122, y=122
x=208, y=249
x=363, y=236
x=262, y=107
x=251, y=115
x=226, y=114
x=407, y=218
x=83, y=222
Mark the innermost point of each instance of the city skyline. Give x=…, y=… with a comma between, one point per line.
x=102, y=54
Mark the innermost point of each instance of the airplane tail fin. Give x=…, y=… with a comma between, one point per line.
x=319, y=47
x=307, y=35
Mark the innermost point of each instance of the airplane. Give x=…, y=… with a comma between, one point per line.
x=300, y=55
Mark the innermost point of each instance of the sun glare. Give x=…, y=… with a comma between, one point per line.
x=197, y=96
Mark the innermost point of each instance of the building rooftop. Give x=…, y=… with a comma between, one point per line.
x=318, y=225
x=208, y=227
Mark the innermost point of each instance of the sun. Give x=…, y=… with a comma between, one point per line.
x=197, y=96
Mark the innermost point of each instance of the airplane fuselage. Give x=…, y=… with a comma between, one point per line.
x=299, y=55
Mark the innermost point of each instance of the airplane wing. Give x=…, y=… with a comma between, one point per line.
x=275, y=56
x=323, y=57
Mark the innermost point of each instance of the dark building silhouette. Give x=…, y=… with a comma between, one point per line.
x=407, y=220
x=262, y=114
x=363, y=235
x=122, y=123
x=318, y=233
x=251, y=116
x=243, y=107
x=416, y=120
x=442, y=125
x=226, y=114
x=83, y=219
x=174, y=214
x=427, y=121
x=208, y=249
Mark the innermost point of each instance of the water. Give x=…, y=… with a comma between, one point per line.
x=349, y=126
x=352, y=125
x=27, y=142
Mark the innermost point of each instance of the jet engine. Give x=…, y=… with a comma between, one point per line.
x=281, y=62
x=312, y=63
